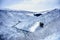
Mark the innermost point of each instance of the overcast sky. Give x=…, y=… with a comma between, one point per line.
x=30, y=5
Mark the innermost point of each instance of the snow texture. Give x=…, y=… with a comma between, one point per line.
x=20, y=25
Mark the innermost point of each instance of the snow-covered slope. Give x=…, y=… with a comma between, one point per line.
x=18, y=25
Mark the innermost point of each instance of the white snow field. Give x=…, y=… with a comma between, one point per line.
x=20, y=25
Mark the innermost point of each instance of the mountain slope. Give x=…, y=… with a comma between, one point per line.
x=15, y=25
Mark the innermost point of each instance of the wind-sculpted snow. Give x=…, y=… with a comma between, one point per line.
x=54, y=36
x=20, y=25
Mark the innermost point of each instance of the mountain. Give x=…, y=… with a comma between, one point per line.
x=25, y=25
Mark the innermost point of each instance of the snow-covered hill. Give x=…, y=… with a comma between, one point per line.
x=25, y=25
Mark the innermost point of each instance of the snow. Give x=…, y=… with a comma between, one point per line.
x=34, y=27
x=28, y=28
x=54, y=36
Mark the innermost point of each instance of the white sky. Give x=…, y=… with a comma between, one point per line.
x=32, y=5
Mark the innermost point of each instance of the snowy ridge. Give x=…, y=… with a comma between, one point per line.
x=15, y=25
